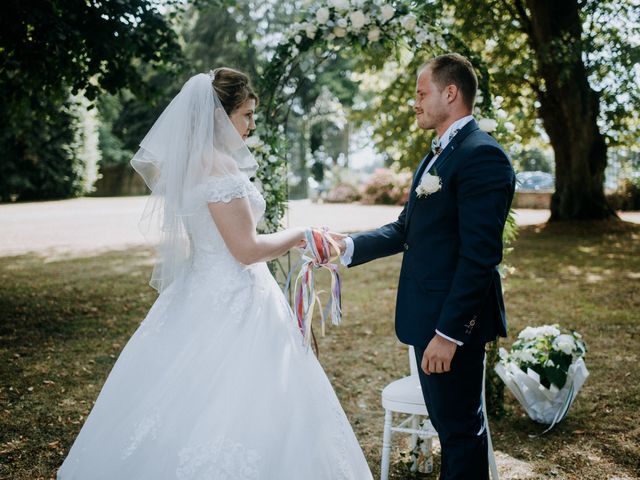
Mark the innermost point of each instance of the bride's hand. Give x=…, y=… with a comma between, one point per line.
x=302, y=243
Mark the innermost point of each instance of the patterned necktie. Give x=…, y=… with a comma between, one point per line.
x=436, y=147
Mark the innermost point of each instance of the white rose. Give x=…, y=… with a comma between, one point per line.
x=340, y=32
x=500, y=113
x=409, y=22
x=297, y=39
x=374, y=35
x=342, y=23
x=340, y=4
x=428, y=184
x=254, y=142
x=311, y=30
x=322, y=15
x=564, y=343
x=387, y=12
x=487, y=124
x=550, y=330
x=422, y=36
x=358, y=19
x=479, y=97
x=529, y=333
x=295, y=52
x=527, y=356
x=509, y=126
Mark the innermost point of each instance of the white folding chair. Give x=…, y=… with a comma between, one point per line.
x=404, y=397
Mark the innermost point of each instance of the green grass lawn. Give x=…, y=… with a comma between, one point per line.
x=64, y=322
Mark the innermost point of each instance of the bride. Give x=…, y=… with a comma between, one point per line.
x=215, y=383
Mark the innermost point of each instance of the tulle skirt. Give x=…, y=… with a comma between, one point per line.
x=215, y=384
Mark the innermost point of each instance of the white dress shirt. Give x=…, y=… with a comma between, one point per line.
x=347, y=256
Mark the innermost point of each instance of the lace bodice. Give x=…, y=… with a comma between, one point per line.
x=205, y=237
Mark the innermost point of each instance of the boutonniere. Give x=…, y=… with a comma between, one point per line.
x=428, y=184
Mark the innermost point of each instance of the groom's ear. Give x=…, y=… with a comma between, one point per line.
x=452, y=92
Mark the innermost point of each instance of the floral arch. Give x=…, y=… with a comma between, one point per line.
x=373, y=27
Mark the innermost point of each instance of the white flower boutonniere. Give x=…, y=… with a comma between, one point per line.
x=428, y=184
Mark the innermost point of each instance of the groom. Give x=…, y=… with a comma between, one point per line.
x=449, y=301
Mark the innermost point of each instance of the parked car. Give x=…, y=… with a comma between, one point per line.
x=533, y=181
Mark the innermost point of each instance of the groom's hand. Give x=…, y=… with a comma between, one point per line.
x=339, y=238
x=438, y=355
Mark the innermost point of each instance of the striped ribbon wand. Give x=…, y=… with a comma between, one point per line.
x=320, y=252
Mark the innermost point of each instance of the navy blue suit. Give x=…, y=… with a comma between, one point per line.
x=452, y=244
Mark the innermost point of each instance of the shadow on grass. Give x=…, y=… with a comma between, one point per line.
x=64, y=322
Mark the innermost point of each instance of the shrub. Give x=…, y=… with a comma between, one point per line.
x=387, y=187
x=627, y=197
x=343, y=193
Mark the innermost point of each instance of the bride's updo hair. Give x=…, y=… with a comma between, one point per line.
x=233, y=88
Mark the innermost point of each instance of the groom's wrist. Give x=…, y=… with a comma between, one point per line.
x=347, y=256
x=447, y=337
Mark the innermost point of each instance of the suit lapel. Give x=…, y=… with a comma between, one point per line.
x=416, y=180
x=464, y=132
x=453, y=144
x=423, y=164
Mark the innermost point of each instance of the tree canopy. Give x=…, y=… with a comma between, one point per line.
x=51, y=51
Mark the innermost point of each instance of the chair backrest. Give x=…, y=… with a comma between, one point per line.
x=413, y=365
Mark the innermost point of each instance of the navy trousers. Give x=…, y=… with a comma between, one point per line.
x=454, y=403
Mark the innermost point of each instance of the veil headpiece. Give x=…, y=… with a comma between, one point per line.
x=192, y=140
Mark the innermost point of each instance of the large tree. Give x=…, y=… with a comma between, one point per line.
x=50, y=50
x=567, y=68
x=572, y=63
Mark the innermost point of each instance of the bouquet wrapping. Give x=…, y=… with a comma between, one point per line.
x=544, y=370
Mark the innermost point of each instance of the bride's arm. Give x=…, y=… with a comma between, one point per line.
x=235, y=223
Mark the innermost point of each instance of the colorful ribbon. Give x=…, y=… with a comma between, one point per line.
x=317, y=254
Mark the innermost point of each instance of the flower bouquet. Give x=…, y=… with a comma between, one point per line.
x=544, y=370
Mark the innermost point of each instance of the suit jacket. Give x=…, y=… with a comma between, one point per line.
x=452, y=244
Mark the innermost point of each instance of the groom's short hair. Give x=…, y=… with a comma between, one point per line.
x=454, y=69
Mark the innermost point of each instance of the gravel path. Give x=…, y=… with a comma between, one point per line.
x=87, y=225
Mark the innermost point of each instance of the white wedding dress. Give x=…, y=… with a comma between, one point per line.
x=215, y=383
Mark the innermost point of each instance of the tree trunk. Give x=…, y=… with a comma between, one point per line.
x=569, y=111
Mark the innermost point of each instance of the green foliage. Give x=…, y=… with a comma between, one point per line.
x=500, y=32
x=295, y=60
x=532, y=159
x=111, y=146
x=53, y=45
x=216, y=36
x=627, y=197
x=51, y=51
x=39, y=161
